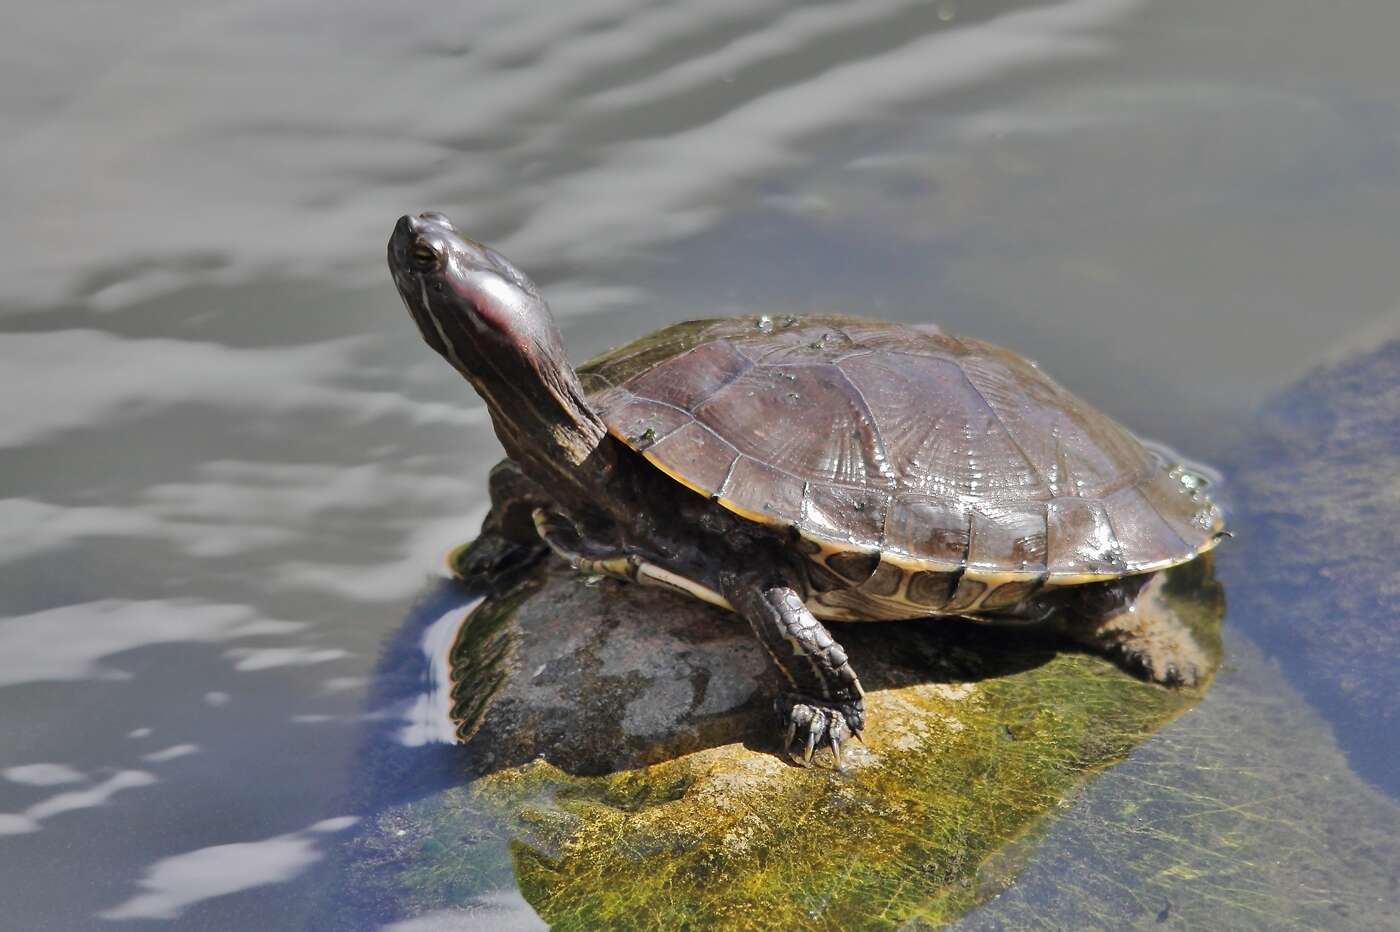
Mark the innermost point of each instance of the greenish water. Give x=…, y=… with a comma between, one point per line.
x=230, y=467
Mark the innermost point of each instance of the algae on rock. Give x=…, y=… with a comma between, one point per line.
x=623, y=775
x=626, y=762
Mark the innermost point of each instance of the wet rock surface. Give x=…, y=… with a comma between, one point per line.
x=1315, y=573
x=624, y=754
x=1243, y=814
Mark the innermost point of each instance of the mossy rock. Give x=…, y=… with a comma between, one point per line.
x=624, y=756
x=1316, y=567
x=1242, y=815
x=624, y=775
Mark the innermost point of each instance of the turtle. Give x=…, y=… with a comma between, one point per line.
x=801, y=469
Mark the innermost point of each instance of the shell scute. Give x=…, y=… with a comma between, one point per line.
x=947, y=455
x=767, y=413
x=1080, y=539
x=928, y=529
x=708, y=458
x=709, y=367
x=758, y=490
x=641, y=423
x=842, y=513
x=1009, y=538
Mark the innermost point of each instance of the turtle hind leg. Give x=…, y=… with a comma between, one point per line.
x=1128, y=621
x=823, y=706
x=507, y=541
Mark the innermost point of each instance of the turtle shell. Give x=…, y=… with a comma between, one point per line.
x=883, y=443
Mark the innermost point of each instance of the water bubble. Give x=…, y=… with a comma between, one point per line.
x=765, y=324
x=947, y=10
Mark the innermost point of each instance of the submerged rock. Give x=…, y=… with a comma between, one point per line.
x=1243, y=814
x=621, y=753
x=1247, y=813
x=1316, y=570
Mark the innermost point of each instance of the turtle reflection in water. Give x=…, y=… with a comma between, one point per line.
x=807, y=468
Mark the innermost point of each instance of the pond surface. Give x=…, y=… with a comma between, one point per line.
x=230, y=466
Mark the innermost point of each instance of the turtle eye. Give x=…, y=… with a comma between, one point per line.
x=424, y=256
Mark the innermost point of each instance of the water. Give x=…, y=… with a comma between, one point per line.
x=229, y=464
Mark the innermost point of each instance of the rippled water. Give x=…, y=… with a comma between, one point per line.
x=229, y=465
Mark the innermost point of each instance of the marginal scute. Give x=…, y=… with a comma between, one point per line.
x=1177, y=504
x=823, y=579
x=641, y=423
x=1080, y=539
x=840, y=513
x=708, y=458
x=856, y=566
x=1139, y=527
x=1008, y=539
x=1009, y=595
x=762, y=493
x=966, y=595
x=930, y=530
x=930, y=588
x=884, y=582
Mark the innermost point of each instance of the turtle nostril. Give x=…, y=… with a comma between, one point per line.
x=434, y=216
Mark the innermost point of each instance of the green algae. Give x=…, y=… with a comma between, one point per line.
x=1241, y=815
x=976, y=738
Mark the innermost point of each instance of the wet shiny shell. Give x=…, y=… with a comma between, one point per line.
x=901, y=451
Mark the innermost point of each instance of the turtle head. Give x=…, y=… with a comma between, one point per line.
x=470, y=303
x=485, y=317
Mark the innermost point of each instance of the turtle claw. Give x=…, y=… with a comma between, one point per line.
x=812, y=723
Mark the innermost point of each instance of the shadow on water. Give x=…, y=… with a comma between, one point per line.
x=1316, y=569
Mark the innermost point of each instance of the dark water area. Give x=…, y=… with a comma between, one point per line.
x=229, y=469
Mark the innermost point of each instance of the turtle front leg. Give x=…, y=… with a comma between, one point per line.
x=823, y=704
x=1129, y=621
x=508, y=540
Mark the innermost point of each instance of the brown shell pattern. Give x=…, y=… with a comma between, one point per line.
x=938, y=453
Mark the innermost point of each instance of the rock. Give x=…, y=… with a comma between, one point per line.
x=624, y=759
x=1315, y=572
x=622, y=773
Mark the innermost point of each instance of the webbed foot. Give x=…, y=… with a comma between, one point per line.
x=809, y=724
x=1162, y=653
x=1144, y=636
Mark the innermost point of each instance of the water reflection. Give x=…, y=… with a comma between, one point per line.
x=228, y=462
x=29, y=819
x=70, y=642
x=510, y=113
x=172, y=885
